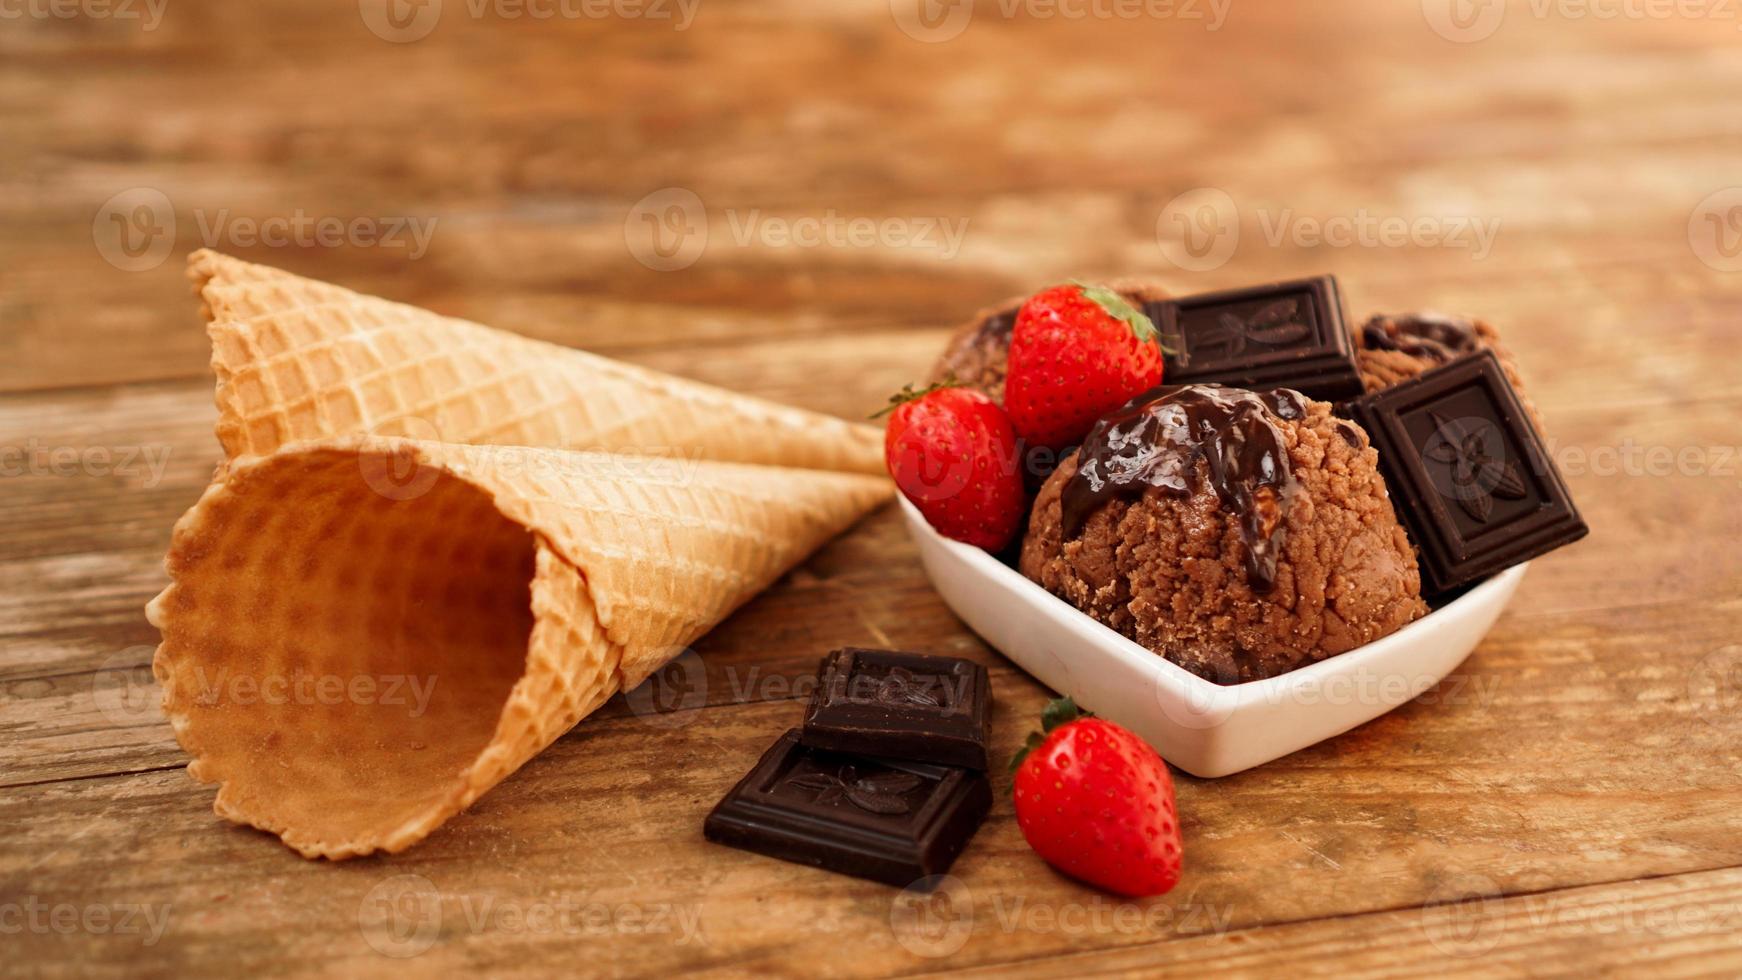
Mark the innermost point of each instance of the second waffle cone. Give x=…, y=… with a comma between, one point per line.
x=299, y=359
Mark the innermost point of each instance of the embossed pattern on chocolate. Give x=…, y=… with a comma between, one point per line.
x=1280, y=335
x=885, y=792
x=1468, y=472
x=901, y=705
x=1478, y=475
x=888, y=820
x=904, y=688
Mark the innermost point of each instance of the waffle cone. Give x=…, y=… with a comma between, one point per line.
x=361, y=636
x=297, y=359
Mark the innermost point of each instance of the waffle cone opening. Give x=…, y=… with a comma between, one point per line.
x=339, y=647
x=363, y=636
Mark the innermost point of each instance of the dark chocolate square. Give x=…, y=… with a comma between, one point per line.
x=901, y=705
x=1467, y=471
x=888, y=820
x=1281, y=335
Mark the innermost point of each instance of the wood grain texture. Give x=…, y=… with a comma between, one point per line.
x=1565, y=803
x=1681, y=926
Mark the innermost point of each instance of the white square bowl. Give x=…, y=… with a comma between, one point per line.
x=1204, y=728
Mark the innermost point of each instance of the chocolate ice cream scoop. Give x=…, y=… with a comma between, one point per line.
x=1428, y=336
x=1394, y=348
x=1157, y=440
x=1192, y=491
x=979, y=352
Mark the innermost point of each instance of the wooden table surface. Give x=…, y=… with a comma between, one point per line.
x=1567, y=801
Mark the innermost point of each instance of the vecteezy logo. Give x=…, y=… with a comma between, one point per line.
x=933, y=917
x=398, y=473
x=1199, y=230
x=1192, y=702
x=932, y=21
x=400, y=21
x=667, y=230
x=924, y=478
x=669, y=697
x=1464, y=915
x=1464, y=21
x=401, y=473
x=1715, y=230
x=135, y=230
x=401, y=917
x=1715, y=685
x=123, y=689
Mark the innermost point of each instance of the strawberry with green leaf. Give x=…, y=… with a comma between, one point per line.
x=1096, y=802
x=1077, y=352
x=953, y=454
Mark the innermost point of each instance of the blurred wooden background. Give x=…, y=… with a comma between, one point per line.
x=1568, y=801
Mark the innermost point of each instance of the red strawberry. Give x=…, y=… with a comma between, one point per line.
x=952, y=452
x=1096, y=802
x=1077, y=353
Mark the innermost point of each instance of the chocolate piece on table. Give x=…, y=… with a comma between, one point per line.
x=1281, y=335
x=901, y=705
x=1467, y=471
x=887, y=820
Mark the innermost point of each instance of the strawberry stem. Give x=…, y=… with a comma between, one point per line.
x=908, y=393
x=1062, y=711
x=1058, y=713
x=1120, y=308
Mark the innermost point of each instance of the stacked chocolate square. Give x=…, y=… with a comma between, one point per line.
x=1468, y=472
x=886, y=778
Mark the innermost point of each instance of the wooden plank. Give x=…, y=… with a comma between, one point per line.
x=611, y=814
x=505, y=271
x=1639, y=328
x=533, y=236
x=85, y=558
x=1581, y=764
x=1684, y=926
x=1366, y=822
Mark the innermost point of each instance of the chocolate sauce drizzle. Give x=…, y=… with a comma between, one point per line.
x=1350, y=434
x=1157, y=439
x=1429, y=336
